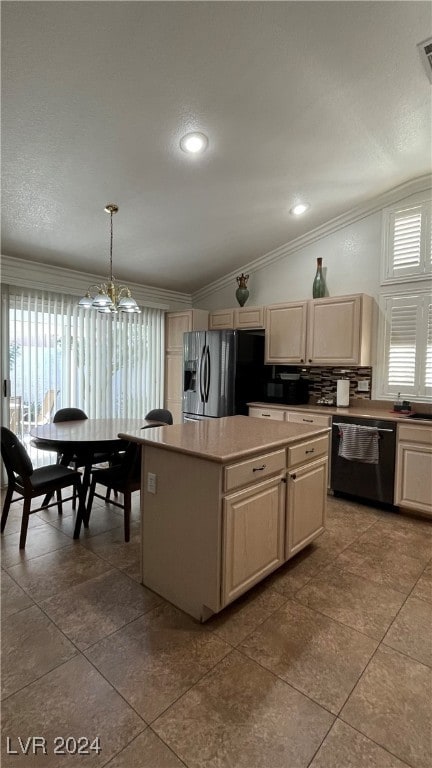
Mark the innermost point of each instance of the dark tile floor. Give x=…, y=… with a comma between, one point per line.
x=326, y=664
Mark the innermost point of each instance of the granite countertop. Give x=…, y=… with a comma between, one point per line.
x=362, y=410
x=227, y=439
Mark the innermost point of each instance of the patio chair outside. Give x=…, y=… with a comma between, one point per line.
x=43, y=415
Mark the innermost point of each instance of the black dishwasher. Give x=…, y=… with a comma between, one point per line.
x=374, y=482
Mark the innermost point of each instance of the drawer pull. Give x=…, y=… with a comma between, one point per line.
x=309, y=421
x=312, y=450
x=267, y=415
x=293, y=477
x=259, y=469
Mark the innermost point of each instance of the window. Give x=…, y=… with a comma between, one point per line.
x=61, y=355
x=407, y=345
x=407, y=243
x=405, y=331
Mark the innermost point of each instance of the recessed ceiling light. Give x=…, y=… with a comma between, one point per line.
x=194, y=143
x=299, y=209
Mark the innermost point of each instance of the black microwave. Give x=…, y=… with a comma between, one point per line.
x=289, y=391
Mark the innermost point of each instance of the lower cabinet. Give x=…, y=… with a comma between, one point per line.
x=413, y=486
x=253, y=536
x=306, y=505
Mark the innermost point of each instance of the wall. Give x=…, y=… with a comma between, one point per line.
x=32, y=274
x=351, y=261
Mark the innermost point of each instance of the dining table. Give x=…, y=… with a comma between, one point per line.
x=87, y=437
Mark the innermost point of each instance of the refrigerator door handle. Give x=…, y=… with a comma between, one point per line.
x=200, y=375
x=207, y=374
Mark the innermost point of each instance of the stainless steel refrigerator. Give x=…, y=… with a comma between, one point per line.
x=222, y=371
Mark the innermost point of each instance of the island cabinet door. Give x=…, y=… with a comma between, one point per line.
x=306, y=505
x=253, y=536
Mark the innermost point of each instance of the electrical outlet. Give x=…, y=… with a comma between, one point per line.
x=151, y=482
x=363, y=386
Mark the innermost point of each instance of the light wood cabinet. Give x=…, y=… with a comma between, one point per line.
x=285, y=340
x=413, y=482
x=253, y=536
x=320, y=420
x=243, y=317
x=221, y=320
x=328, y=331
x=306, y=504
x=249, y=317
x=213, y=529
x=176, y=324
x=339, y=330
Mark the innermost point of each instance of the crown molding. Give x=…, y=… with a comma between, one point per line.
x=34, y=274
x=421, y=184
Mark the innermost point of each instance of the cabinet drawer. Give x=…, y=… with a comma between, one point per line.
x=307, y=450
x=267, y=413
x=254, y=469
x=414, y=433
x=309, y=418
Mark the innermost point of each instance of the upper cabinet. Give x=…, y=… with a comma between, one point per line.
x=178, y=323
x=243, y=317
x=285, y=338
x=329, y=331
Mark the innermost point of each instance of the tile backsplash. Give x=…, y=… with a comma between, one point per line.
x=322, y=381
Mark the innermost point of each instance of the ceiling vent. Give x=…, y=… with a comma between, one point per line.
x=425, y=51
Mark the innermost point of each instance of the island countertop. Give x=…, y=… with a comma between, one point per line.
x=226, y=439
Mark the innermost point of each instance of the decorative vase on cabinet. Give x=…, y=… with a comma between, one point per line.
x=319, y=286
x=242, y=293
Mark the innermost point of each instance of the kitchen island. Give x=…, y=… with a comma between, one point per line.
x=224, y=502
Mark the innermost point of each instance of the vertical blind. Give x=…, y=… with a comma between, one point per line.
x=110, y=366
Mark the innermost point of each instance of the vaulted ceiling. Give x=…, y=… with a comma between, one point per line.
x=324, y=102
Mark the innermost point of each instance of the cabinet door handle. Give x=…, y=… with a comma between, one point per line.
x=312, y=450
x=309, y=421
x=259, y=469
x=302, y=360
x=293, y=477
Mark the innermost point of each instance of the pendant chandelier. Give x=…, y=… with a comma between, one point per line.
x=110, y=297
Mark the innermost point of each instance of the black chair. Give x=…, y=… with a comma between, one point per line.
x=160, y=414
x=124, y=477
x=31, y=483
x=73, y=460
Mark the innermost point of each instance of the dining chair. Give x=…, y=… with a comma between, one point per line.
x=75, y=460
x=31, y=483
x=160, y=414
x=124, y=477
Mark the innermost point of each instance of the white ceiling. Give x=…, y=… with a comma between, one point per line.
x=320, y=101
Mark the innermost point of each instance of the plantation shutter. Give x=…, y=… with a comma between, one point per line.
x=407, y=249
x=407, y=240
x=409, y=345
x=428, y=366
x=402, y=349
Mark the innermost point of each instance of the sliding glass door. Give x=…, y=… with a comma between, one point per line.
x=61, y=356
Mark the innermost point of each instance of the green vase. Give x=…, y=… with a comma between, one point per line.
x=242, y=293
x=319, y=286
